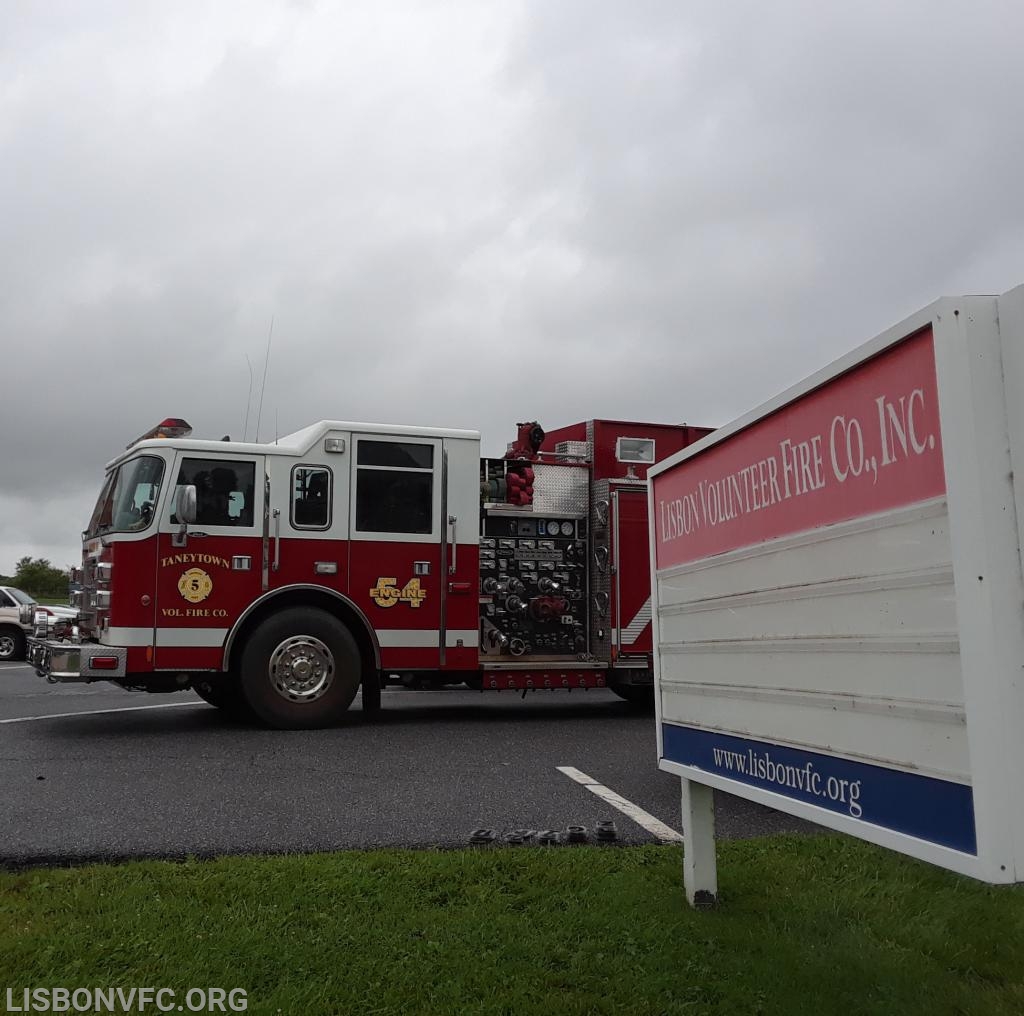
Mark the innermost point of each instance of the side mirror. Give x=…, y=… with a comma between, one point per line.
x=185, y=504
x=184, y=512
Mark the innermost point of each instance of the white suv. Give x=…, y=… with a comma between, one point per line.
x=12, y=631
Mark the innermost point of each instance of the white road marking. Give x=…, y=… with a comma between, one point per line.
x=642, y=818
x=101, y=712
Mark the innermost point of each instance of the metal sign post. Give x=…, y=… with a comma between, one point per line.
x=700, y=866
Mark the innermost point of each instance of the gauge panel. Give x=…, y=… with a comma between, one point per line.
x=533, y=587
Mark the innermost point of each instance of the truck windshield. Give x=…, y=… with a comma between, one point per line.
x=127, y=503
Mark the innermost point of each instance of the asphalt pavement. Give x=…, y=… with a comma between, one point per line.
x=93, y=772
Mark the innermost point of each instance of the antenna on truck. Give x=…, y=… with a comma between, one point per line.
x=248, y=401
x=263, y=386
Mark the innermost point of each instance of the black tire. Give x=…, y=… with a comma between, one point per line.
x=640, y=696
x=224, y=692
x=300, y=669
x=12, y=644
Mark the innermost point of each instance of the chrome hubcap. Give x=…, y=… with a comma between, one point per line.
x=301, y=669
x=6, y=646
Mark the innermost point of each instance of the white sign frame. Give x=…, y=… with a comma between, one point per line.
x=979, y=367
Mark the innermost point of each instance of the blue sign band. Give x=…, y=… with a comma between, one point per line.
x=937, y=811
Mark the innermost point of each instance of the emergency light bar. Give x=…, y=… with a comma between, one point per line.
x=171, y=427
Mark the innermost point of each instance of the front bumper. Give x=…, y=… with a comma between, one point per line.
x=60, y=661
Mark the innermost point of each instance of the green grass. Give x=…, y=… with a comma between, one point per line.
x=806, y=925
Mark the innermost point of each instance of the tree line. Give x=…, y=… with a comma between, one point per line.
x=37, y=577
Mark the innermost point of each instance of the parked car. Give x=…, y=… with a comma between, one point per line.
x=12, y=631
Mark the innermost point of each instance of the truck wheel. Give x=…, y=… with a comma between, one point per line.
x=639, y=695
x=12, y=644
x=300, y=669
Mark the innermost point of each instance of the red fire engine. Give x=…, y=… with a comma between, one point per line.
x=282, y=578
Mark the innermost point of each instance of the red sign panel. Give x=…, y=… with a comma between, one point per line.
x=861, y=444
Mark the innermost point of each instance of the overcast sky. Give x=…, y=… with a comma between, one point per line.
x=466, y=214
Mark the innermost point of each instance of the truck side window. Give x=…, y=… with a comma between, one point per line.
x=224, y=491
x=311, y=497
x=394, y=487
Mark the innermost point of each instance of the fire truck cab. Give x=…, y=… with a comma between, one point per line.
x=280, y=579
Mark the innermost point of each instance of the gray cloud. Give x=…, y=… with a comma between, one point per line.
x=465, y=216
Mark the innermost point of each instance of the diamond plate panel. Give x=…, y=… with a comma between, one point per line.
x=573, y=450
x=560, y=490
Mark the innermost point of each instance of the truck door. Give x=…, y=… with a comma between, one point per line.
x=397, y=525
x=631, y=591
x=204, y=585
x=308, y=521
